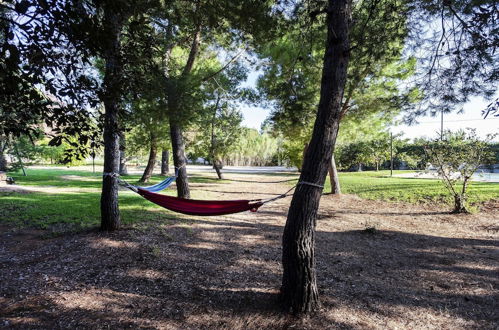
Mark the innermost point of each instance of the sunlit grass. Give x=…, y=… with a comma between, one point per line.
x=65, y=196
x=379, y=185
x=80, y=205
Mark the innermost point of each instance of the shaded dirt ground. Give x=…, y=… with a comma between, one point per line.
x=380, y=265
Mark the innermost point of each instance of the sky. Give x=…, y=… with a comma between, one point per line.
x=427, y=127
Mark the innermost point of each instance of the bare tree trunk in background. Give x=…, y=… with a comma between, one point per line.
x=3, y=159
x=3, y=163
x=299, y=287
x=123, y=166
x=110, y=214
x=333, y=177
x=179, y=161
x=153, y=151
x=178, y=146
x=165, y=162
x=217, y=165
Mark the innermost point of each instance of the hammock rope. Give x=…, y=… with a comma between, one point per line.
x=200, y=207
x=154, y=188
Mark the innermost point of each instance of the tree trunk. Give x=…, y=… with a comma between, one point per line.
x=3, y=162
x=179, y=161
x=110, y=215
x=333, y=177
x=165, y=165
x=178, y=147
x=153, y=151
x=3, y=159
x=359, y=168
x=217, y=165
x=299, y=287
x=460, y=204
x=19, y=158
x=460, y=199
x=123, y=167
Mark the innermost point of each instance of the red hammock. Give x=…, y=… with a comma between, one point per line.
x=200, y=207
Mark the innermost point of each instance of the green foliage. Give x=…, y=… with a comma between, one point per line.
x=254, y=149
x=377, y=69
x=215, y=140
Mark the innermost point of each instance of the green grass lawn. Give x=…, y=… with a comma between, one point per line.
x=79, y=207
x=379, y=185
x=71, y=198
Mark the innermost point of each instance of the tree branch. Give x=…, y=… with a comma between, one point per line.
x=211, y=75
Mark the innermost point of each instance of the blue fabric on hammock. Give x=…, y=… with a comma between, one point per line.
x=160, y=186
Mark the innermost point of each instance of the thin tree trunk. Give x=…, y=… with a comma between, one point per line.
x=20, y=160
x=217, y=165
x=165, y=162
x=179, y=161
x=460, y=204
x=123, y=167
x=153, y=151
x=110, y=215
x=3, y=162
x=178, y=147
x=460, y=199
x=333, y=177
x=299, y=286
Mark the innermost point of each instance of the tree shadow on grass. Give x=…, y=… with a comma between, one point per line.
x=224, y=272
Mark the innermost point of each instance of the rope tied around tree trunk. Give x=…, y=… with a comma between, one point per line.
x=111, y=174
x=310, y=184
x=178, y=168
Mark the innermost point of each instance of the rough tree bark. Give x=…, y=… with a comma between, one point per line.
x=333, y=177
x=165, y=162
x=153, y=152
x=299, y=288
x=113, y=23
x=179, y=160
